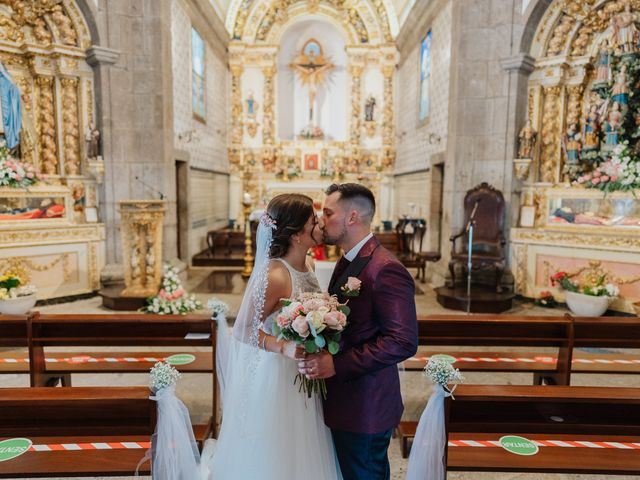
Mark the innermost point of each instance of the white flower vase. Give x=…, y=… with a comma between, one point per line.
x=586, y=305
x=18, y=305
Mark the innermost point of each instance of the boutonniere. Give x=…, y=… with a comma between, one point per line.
x=352, y=287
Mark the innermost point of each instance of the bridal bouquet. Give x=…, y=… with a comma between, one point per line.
x=315, y=320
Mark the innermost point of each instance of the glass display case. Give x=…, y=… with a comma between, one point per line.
x=42, y=204
x=592, y=208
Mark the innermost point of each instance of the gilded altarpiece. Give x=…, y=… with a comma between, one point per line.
x=575, y=215
x=267, y=164
x=49, y=233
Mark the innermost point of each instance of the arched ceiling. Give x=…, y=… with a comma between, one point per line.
x=238, y=15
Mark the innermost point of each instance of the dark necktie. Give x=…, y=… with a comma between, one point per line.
x=341, y=266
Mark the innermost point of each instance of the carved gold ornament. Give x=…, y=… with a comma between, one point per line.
x=23, y=266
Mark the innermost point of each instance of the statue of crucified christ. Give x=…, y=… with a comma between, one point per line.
x=312, y=70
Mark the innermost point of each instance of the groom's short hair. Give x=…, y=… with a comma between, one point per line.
x=359, y=196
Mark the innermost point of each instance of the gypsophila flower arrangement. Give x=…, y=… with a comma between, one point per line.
x=172, y=299
x=163, y=375
x=442, y=373
x=217, y=307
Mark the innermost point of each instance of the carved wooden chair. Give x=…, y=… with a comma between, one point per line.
x=488, y=234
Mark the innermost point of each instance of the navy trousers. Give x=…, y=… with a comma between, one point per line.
x=363, y=456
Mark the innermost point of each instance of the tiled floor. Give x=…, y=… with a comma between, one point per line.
x=194, y=389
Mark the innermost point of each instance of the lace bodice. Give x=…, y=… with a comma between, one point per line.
x=300, y=282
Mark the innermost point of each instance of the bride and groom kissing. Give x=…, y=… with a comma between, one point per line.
x=269, y=429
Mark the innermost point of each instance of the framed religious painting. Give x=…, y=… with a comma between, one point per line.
x=425, y=76
x=198, y=76
x=311, y=162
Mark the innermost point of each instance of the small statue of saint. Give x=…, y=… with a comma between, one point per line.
x=591, y=130
x=92, y=139
x=613, y=124
x=620, y=89
x=369, y=108
x=252, y=106
x=527, y=140
x=10, y=110
x=571, y=145
x=624, y=32
x=603, y=72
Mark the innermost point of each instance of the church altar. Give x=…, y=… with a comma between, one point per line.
x=579, y=152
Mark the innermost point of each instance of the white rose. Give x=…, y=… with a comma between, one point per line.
x=316, y=318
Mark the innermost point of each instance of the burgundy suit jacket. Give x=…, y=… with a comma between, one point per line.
x=382, y=331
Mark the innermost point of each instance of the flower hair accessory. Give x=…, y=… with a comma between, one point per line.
x=268, y=221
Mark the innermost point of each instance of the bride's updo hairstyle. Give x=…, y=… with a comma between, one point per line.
x=290, y=212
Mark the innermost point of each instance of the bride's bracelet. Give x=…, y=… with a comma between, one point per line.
x=264, y=342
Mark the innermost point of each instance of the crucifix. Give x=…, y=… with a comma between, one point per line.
x=312, y=67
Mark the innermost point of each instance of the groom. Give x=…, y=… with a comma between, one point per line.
x=363, y=403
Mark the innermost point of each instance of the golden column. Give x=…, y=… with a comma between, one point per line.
x=248, y=249
x=267, y=110
x=356, y=89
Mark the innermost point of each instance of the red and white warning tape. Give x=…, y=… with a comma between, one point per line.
x=536, y=359
x=549, y=443
x=56, y=447
x=83, y=359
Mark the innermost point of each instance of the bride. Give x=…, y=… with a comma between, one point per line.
x=269, y=429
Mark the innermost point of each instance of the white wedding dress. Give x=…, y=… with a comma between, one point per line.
x=270, y=430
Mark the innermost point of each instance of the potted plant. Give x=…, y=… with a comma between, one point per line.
x=15, y=298
x=590, y=299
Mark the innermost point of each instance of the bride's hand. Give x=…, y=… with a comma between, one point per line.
x=293, y=350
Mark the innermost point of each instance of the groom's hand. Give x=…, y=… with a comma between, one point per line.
x=317, y=366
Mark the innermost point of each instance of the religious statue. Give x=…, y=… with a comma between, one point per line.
x=571, y=145
x=591, y=130
x=624, y=32
x=369, y=108
x=527, y=140
x=603, y=72
x=252, y=106
x=10, y=109
x=620, y=89
x=92, y=138
x=312, y=67
x=612, y=126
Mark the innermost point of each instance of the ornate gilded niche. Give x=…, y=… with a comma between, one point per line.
x=42, y=45
x=266, y=159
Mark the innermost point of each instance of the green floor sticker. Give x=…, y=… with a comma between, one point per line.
x=13, y=447
x=180, y=359
x=446, y=358
x=518, y=445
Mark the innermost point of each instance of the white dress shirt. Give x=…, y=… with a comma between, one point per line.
x=353, y=253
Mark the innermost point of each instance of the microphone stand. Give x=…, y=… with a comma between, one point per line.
x=162, y=196
x=470, y=225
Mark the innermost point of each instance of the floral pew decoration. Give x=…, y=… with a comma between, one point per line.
x=174, y=452
x=172, y=299
x=426, y=460
x=219, y=311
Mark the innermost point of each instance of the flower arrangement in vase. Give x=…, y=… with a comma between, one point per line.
x=16, y=298
x=13, y=173
x=590, y=299
x=312, y=132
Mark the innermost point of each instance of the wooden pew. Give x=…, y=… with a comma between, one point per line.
x=118, y=330
x=77, y=431
x=13, y=335
x=601, y=332
x=499, y=331
x=559, y=417
x=606, y=417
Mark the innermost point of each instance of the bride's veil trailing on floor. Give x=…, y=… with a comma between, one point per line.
x=237, y=352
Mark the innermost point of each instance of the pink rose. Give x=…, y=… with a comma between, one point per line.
x=614, y=178
x=282, y=321
x=331, y=319
x=342, y=319
x=596, y=174
x=300, y=326
x=595, y=181
x=604, y=178
x=30, y=175
x=178, y=293
x=162, y=293
x=353, y=284
x=18, y=178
